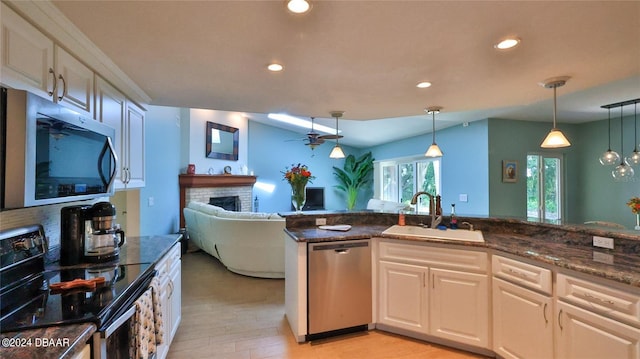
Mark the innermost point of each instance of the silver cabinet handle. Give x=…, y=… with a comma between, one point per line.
x=607, y=301
x=560, y=320
x=544, y=314
x=55, y=83
x=64, y=88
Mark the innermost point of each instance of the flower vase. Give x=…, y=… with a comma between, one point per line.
x=298, y=196
x=637, y=227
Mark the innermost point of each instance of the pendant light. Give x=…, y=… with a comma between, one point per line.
x=634, y=158
x=337, y=150
x=555, y=138
x=433, y=150
x=609, y=158
x=622, y=171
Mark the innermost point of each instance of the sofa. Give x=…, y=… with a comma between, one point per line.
x=246, y=243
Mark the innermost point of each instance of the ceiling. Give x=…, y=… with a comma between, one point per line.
x=366, y=57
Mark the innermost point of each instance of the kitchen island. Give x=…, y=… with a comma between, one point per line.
x=559, y=262
x=71, y=341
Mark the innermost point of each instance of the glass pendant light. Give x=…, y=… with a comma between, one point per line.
x=337, y=152
x=609, y=158
x=634, y=158
x=623, y=171
x=555, y=138
x=433, y=150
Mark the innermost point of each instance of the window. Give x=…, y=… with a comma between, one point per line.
x=544, y=187
x=401, y=179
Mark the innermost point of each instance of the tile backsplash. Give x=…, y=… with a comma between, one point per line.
x=48, y=216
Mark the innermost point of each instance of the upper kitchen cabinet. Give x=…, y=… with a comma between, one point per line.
x=113, y=108
x=33, y=62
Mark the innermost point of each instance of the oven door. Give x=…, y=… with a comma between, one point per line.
x=114, y=341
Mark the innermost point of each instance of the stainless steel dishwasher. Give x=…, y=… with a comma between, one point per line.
x=339, y=287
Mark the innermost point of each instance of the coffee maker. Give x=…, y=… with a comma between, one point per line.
x=89, y=234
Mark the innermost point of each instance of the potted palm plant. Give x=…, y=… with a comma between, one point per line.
x=354, y=176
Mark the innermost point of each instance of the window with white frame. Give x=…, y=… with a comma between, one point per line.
x=399, y=180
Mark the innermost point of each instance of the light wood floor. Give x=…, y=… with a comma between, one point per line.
x=225, y=315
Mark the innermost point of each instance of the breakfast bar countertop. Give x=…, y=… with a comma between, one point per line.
x=623, y=267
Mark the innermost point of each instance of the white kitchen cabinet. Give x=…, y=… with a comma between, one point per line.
x=169, y=273
x=522, y=322
x=113, y=109
x=459, y=306
x=32, y=61
x=27, y=55
x=434, y=291
x=403, y=296
x=583, y=334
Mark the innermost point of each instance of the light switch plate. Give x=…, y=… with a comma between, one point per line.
x=463, y=197
x=321, y=221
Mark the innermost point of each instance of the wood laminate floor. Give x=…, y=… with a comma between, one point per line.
x=226, y=315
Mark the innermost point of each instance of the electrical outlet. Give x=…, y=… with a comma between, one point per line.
x=151, y=201
x=321, y=221
x=603, y=242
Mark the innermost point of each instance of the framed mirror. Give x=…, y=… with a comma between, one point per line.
x=221, y=142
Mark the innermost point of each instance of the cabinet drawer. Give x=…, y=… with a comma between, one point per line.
x=603, y=299
x=427, y=255
x=526, y=275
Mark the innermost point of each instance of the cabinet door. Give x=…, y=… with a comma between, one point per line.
x=459, y=307
x=135, y=146
x=175, y=300
x=27, y=55
x=75, y=83
x=583, y=334
x=402, y=296
x=522, y=322
x=110, y=109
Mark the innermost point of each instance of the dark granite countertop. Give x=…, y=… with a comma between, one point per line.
x=62, y=341
x=148, y=249
x=557, y=246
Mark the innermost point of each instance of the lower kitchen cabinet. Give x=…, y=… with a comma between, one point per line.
x=169, y=273
x=460, y=306
x=583, y=334
x=403, y=296
x=522, y=322
x=434, y=292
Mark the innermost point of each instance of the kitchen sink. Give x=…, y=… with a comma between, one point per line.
x=431, y=233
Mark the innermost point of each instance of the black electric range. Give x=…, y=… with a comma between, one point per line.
x=26, y=300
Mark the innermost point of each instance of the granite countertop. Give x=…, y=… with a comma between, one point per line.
x=148, y=249
x=623, y=267
x=62, y=341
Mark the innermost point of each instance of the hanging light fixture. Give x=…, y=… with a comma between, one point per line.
x=337, y=152
x=555, y=138
x=433, y=150
x=622, y=171
x=609, y=158
x=634, y=158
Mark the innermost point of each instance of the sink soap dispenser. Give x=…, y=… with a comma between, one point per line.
x=453, y=224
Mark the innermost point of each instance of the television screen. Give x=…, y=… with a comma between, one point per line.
x=315, y=199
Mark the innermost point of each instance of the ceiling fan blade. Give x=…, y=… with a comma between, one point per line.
x=330, y=137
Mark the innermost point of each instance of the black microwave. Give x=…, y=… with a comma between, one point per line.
x=51, y=153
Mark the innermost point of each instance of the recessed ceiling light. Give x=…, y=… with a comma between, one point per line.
x=298, y=6
x=423, y=85
x=275, y=67
x=507, y=43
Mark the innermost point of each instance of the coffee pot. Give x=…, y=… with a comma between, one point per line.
x=103, y=238
x=89, y=234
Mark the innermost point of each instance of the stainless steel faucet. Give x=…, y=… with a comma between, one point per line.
x=435, y=220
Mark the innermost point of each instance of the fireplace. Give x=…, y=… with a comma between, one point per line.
x=230, y=203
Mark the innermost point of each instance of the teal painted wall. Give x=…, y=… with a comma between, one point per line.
x=464, y=164
x=162, y=165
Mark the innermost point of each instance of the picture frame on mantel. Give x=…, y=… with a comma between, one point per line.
x=509, y=171
x=221, y=141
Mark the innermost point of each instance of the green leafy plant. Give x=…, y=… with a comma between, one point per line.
x=355, y=175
